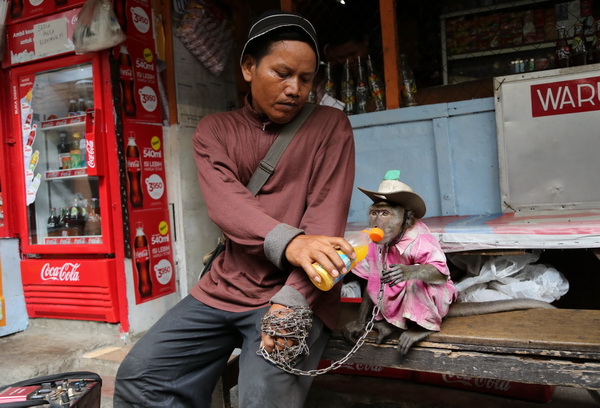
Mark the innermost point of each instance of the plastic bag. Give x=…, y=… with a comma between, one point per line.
x=97, y=27
x=511, y=277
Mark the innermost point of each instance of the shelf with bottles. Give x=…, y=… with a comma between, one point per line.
x=80, y=223
x=517, y=31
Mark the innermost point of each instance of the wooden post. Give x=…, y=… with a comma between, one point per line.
x=171, y=89
x=389, y=35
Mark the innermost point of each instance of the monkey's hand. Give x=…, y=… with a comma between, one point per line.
x=410, y=337
x=384, y=329
x=353, y=330
x=401, y=273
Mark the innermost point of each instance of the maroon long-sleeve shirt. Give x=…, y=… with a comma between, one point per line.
x=309, y=193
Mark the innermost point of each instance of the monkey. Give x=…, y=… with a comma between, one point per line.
x=396, y=220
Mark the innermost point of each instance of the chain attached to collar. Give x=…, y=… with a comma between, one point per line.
x=289, y=325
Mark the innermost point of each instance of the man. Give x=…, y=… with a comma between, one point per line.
x=273, y=238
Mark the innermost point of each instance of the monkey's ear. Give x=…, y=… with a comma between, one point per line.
x=410, y=218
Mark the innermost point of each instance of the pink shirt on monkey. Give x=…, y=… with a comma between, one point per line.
x=423, y=303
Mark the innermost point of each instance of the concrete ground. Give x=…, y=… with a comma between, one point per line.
x=51, y=346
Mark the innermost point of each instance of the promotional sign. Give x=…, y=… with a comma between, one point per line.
x=145, y=166
x=136, y=57
x=149, y=215
x=21, y=10
x=135, y=19
x=82, y=288
x=154, y=273
x=43, y=37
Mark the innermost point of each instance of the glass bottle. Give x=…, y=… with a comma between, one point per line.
x=76, y=150
x=348, y=90
x=361, y=89
x=81, y=106
x=579, y=47
x=360, y=241
x=93, y=224
x=562, y=51
x=409, y=85
x=72, y=108
x=64, y=152
x=52, y=222
x=329, y=85
x=376, y=87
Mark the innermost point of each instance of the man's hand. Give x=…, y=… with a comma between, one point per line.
x=278, y=343
x=303, y=250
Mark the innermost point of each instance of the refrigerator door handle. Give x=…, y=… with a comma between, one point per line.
x=93, y=143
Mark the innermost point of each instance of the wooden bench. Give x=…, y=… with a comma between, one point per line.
x=540, y=346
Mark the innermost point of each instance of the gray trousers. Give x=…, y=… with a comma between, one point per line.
x=178, y=362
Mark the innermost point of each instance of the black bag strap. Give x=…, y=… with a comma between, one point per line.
x=266, y=167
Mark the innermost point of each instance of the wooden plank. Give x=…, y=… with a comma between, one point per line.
x=581, y=374
x=389, y=35
x=556, y=329
x=572, y=330
x=171, y=88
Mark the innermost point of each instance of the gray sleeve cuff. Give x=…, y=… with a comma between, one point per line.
x=289, y=297
x=277, y=241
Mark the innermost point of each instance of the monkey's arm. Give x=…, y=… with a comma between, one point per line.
x=354, y=329
x=401, y=273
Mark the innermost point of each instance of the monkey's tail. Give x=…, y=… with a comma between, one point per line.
x=495, y=306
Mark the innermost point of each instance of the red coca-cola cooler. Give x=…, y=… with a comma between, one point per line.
x=87, y=168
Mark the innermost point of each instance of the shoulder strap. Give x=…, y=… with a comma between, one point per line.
x=266, y=167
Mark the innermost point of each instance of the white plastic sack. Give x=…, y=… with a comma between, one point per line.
x=513, y=277
x=351, y=290
x=97, y=27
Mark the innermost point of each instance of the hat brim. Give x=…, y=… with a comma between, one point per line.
x=411, y=201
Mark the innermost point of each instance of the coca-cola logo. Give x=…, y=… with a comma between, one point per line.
x=133, y=164
x=142, y=254
x=477, y=382
x=90, y=150
x=148, y=98
x=68, y=272
x=362, y=367
x=155, y=186
x=163, y=271
x=126, y=72
x=140, y=19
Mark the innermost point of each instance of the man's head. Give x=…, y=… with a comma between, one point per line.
x=280, y=60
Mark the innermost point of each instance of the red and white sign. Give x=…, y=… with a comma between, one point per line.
x=156, y=255
x=41, y=38
x=71, y=288
x=149, y=142
x=564, y=97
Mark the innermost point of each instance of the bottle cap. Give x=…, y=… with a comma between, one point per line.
x=376, y=234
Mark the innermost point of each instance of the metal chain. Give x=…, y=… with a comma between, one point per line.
x=285, y=366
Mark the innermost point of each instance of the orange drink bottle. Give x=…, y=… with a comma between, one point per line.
x=360, y=241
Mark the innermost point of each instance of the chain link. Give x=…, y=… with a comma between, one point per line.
x=286, y=366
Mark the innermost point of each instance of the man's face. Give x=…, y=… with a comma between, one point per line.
x=280, y=83
x=387, y=217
